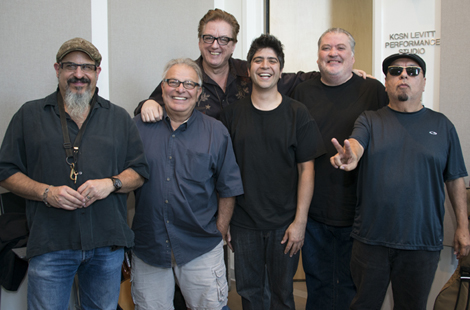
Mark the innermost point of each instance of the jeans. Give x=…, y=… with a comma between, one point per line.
x=326, y=257
x=258, y=252
x=50, y=278
x=411, y=273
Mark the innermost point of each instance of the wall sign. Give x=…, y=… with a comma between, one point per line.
x=412, y=42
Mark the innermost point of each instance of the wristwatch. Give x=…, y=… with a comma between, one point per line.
x=116, y=183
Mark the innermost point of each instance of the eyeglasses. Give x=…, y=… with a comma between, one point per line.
x=71, y=66
x=221, y=40
x=397, y=71
x=176, y=83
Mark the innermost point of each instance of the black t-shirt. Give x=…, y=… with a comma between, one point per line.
x=335, y=108
x=268, y=146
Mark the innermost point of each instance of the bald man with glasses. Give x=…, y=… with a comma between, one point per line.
x=407, y=153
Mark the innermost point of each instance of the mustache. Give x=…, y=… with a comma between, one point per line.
x=75, y=80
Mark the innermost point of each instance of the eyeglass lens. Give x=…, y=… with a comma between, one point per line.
x=71, y=66
x=411, y=71
x=176, y=83
x=221, y=40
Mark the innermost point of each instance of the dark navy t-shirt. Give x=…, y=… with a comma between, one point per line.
x=407, y=158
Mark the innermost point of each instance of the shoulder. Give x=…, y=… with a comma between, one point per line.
x=295, y=105
x=211, y=124
x=38, y=105
x=438, y=116
x=240, y=63
x=368, y=83
x=382, y=111
x=297, y=111
x=116, y=109
x=239, y=66
x=307, y=85
x=238, y=105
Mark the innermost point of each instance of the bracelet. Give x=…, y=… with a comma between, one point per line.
x=44, y=196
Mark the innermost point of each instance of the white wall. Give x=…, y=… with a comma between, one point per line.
x=298, y=26
x=400, y=21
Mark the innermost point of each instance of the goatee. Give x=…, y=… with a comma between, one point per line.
x=77, y=103
x=403, y=97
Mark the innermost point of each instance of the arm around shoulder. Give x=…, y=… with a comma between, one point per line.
x=151, y=109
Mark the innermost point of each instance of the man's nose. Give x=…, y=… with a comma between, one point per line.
x=180, y=88
x=79, y=72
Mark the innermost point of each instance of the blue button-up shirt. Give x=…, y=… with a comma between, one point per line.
x=176, y=209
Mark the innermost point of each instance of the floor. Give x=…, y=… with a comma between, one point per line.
x=300, y=296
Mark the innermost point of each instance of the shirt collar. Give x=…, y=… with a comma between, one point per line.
x=234, y=71
x=52, y=100
x=183, y=126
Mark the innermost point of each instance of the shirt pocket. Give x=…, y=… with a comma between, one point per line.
x=196, y=167
x=221, y=280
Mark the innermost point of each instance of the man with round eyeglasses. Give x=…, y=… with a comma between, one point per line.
x=407, y=153
x=225, y=79
x=182, y=213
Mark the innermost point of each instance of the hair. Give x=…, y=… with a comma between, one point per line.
x=352, y=42
x=266, y=41
x=184, y=61
x=218, y=14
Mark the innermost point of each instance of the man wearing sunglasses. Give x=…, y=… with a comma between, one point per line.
x=183, y=212
x=76, y=201
x=407, y=153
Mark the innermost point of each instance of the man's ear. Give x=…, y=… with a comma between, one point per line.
x=199, y=92
x=56, y=67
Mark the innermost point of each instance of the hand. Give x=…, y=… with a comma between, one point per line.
x=345, y=159
x=294, y=236
x=228, y=239
x=225, y=232
x=94, y=190
x=461, y=242
x=363, y=74
x=64, y=197
x=151, y=111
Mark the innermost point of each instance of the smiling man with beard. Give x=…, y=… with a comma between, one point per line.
x=74, y=155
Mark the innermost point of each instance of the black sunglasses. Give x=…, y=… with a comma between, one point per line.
x=397, y=71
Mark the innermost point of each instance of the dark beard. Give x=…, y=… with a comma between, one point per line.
x=403, y=97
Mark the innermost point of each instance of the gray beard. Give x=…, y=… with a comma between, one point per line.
x=77, y=104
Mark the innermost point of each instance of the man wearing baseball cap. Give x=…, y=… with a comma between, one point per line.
x=74, y=155
x=407, y=153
